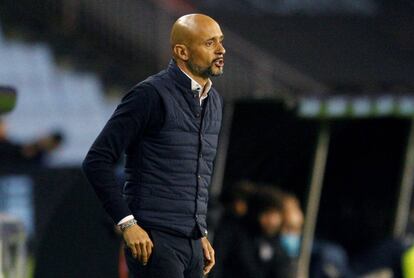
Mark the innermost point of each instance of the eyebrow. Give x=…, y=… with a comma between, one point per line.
x=220, y=38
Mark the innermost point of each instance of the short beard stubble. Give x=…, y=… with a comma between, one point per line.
x=203, y=72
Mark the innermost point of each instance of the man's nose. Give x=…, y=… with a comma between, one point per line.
x=221, y=49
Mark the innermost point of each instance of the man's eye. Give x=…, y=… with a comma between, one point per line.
x=209, y=43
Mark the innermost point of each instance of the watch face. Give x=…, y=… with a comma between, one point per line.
x=8, y=96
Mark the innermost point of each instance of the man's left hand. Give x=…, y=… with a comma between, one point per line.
x=208, y=252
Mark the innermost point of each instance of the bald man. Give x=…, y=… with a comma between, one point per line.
x=168, y=126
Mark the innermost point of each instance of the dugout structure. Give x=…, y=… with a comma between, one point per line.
x=349, y=159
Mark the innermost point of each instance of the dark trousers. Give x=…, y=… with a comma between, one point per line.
x=172, y=257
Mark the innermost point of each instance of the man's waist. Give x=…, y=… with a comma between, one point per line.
x=189, y=191
x=187, y=227
x=193, y=234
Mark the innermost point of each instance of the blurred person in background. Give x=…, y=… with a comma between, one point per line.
x=14, y=155
x=260, y=254
x=291, y=230
x=225, y=241
x=329, y=259
x=168, y=126
x=16, y=187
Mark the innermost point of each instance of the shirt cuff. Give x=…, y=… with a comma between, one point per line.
x=125, y=219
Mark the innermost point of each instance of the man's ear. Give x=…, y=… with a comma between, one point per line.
x=181, y=52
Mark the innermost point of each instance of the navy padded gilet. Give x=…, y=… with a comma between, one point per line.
x=169, y=188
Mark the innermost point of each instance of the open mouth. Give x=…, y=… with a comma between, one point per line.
x=219, y=62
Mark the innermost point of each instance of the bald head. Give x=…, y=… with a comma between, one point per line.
x=190, y=28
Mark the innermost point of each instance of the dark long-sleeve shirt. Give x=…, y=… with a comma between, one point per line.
x=141, y=110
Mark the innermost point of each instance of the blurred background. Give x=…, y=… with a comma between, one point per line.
x=319, y=107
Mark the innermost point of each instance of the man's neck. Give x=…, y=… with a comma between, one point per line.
x=200, y=80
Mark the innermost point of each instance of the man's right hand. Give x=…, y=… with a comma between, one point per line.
x=138, y=242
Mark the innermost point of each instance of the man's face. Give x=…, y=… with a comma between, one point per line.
x=270, y=222
x=292, y=219
x=206, y=52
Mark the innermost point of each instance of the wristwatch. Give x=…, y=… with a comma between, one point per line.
x=127, y=224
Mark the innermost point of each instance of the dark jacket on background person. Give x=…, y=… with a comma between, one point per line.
x=262, y=257
x=170, y=143
x=13, y=160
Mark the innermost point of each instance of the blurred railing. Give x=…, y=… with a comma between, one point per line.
x=141, y=30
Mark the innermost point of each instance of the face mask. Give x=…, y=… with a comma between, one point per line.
x=290, y=244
